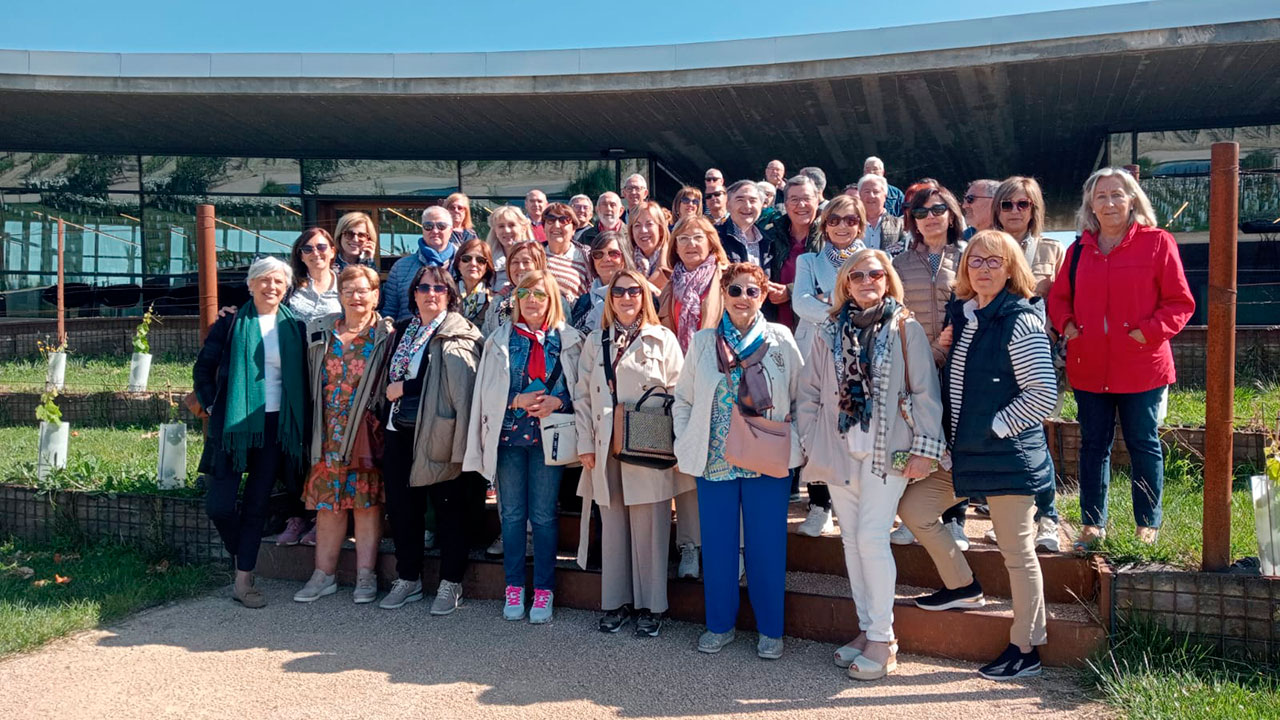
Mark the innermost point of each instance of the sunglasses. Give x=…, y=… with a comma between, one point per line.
x=688, y=201
x=860, y=276
x=936, y=210
x=976, y=262
x=441, y=226
x=524, y=293
x=427, y=288
x=602, y=254
x=969, y=199
x=714, y=193
x=1009, y=205
x=468, y=259
x=556, y=219
x=852, y=221
x=317, y=248
x=633, y=291
x=751, y=291
x=355, y=235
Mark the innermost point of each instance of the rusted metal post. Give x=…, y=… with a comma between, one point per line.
x=62, y=285
x=1220, y=361
x=207, y=264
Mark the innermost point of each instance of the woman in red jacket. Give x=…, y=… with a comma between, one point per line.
x=1119, y=299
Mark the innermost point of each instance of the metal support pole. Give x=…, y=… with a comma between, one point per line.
x=1220, y=361
x=62, y=285
x=207, y=264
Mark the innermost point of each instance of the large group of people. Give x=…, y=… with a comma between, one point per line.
x=897, y=351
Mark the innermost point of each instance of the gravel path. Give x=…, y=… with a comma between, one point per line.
x=209, y=658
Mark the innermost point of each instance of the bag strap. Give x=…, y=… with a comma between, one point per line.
x=610, y=378
x=906, y=369
x=1076, y=249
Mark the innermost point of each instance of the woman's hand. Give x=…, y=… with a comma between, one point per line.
x=525, y=401
x=777, y=293
x=395, y=391
x=917, y=468
x=226, y=310
x=1137, y=335
x=1071, y=331
x=546, y=405
x=588, y=460
x=945, y=337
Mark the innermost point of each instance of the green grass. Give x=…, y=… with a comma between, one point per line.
x=1181, y=541
x=121, y=459
x=1150, y=673
x=1256, y=407
x=97, y=373
x=99, y=584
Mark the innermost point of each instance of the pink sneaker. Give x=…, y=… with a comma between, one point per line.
x=514, y=608
x=293, y=529
x=309, y=538
x=543, y=602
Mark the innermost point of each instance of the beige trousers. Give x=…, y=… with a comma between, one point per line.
x=921, y=508
x=688, y=526
x=634, y=543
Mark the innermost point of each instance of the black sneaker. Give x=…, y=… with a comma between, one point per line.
x=1012, y=663
x=968, y=597
x=648, y=624
x=613, y=620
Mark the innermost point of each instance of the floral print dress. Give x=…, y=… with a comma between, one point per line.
x=333, y=485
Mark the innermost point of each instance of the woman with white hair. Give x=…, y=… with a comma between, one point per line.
x=251, y=380
x=1121, y=297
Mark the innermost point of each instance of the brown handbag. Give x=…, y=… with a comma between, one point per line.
x=642, y=434
x=759, y=444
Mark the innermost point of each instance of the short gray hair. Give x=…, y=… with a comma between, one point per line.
x=427, y=211
x=266, y=266
x=803, y=181
x=734, y=188
x=818, y=177
x=873, y=160
x=767, y=190
x=985, y=185
x=636, y=176
x=580, y=196
x=873, y=178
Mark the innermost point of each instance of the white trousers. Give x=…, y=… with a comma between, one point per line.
x=865, y=508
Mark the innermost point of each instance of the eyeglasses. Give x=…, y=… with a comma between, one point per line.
x=936, y=210
x=852, y=221
x=317, y=248
x=751, y=291
x=441, y=226
x=524, y=293
x=556, y=220
x=357, y=292
x=1009, y=205
x=860, y=276
x=353, y=235
x=995, y=262
x=632, y=291
x=970, y=198
x=468, y=259
x=602, y=254
x=713, y=193
x=688, y=201
x=426, y=288
x=690, y=239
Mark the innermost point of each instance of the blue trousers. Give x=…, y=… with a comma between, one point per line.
x=527, y=493
x=1140, y=423
x=762, y=502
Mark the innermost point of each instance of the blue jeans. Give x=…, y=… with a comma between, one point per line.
x=527, y=492
x=763, y=502
x=1140, y=424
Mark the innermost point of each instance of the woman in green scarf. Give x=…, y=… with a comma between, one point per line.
x=250, y=377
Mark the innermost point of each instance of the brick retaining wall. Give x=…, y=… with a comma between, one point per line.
x=100, y=409
x=177, y=335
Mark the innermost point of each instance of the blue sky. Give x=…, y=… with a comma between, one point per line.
x=472, y=25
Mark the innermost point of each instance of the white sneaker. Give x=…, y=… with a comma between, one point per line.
x=957, y=532
x=902, y=536
x=317, y=587
x=428, y=539
x=1047, y=535
x=366, y=587
x=818, y=522
x=688, y=561
x=990, y=536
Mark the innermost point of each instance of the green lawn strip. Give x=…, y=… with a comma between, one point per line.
x=97, y=373
x=1149, y=673
x=1257, y=405
x=48, y=592
x=120, y=459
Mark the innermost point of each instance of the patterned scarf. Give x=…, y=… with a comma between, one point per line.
x=836, y=256
x=855, y=334
x=537, y=354
x=415, y=337
x=474, y=301
x=245, y=414
x=734, y=351
x=623, y=336
x=689, y=287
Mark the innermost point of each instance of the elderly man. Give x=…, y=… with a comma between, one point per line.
x=535, y=203
x=715, y=204
x=713, y=178
x=893, y=202
x=775, y=173
x=977, y=205
x=582, y=211
x=741, y=236
x=608, y=217
x=635, y=190
x=434, y=249
x=884, y=231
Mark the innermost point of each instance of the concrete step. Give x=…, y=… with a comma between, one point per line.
x=818, y=606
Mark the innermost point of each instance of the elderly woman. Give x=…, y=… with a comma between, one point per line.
x=650, y=237
x=251, y=379
x=629, y=355
x=507, y=227
x=790, y=237
x=524, y=257
x=997, y=388
x=610, y=254
x=688, y=201
x=345, y=353
x=870, y=417
x=459, y=207
x=434, y=250
x=1122, y=298
x=357, y=241
x=884, y=229
x=566, y=259
x=750, y=367
x=528, y=366
x=842, y=223
x=474, y=275
x=428, y=385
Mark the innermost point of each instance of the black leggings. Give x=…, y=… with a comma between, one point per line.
x=956, y=513
x=241, y=528
x=407, y=505
x=819, y=495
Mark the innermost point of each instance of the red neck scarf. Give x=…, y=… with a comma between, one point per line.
x=537, y=355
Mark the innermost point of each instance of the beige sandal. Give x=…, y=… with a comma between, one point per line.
x=864, y=668
x=846, y=653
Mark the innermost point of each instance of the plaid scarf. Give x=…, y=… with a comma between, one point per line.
x=836, y=256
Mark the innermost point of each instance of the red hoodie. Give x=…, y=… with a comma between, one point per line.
x=1138, y=286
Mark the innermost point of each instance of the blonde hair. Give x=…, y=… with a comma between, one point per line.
x=347, y=221
x=555, y=307
x=1140, y=211
x=1010, y=187
x=998, y=242
x=703, y=223
x=524, y=228
x=648, y=312
x=892, y=283
x=466, y=216
x=842, y=203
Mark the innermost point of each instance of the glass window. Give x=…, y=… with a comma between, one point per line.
x=559, y=179
x=103, y=240
x=190, y=175
x=246, y=228
x=91, y=175
x=431, y=178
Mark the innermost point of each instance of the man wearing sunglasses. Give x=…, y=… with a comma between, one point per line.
x=977, y=206
x=434, y=250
